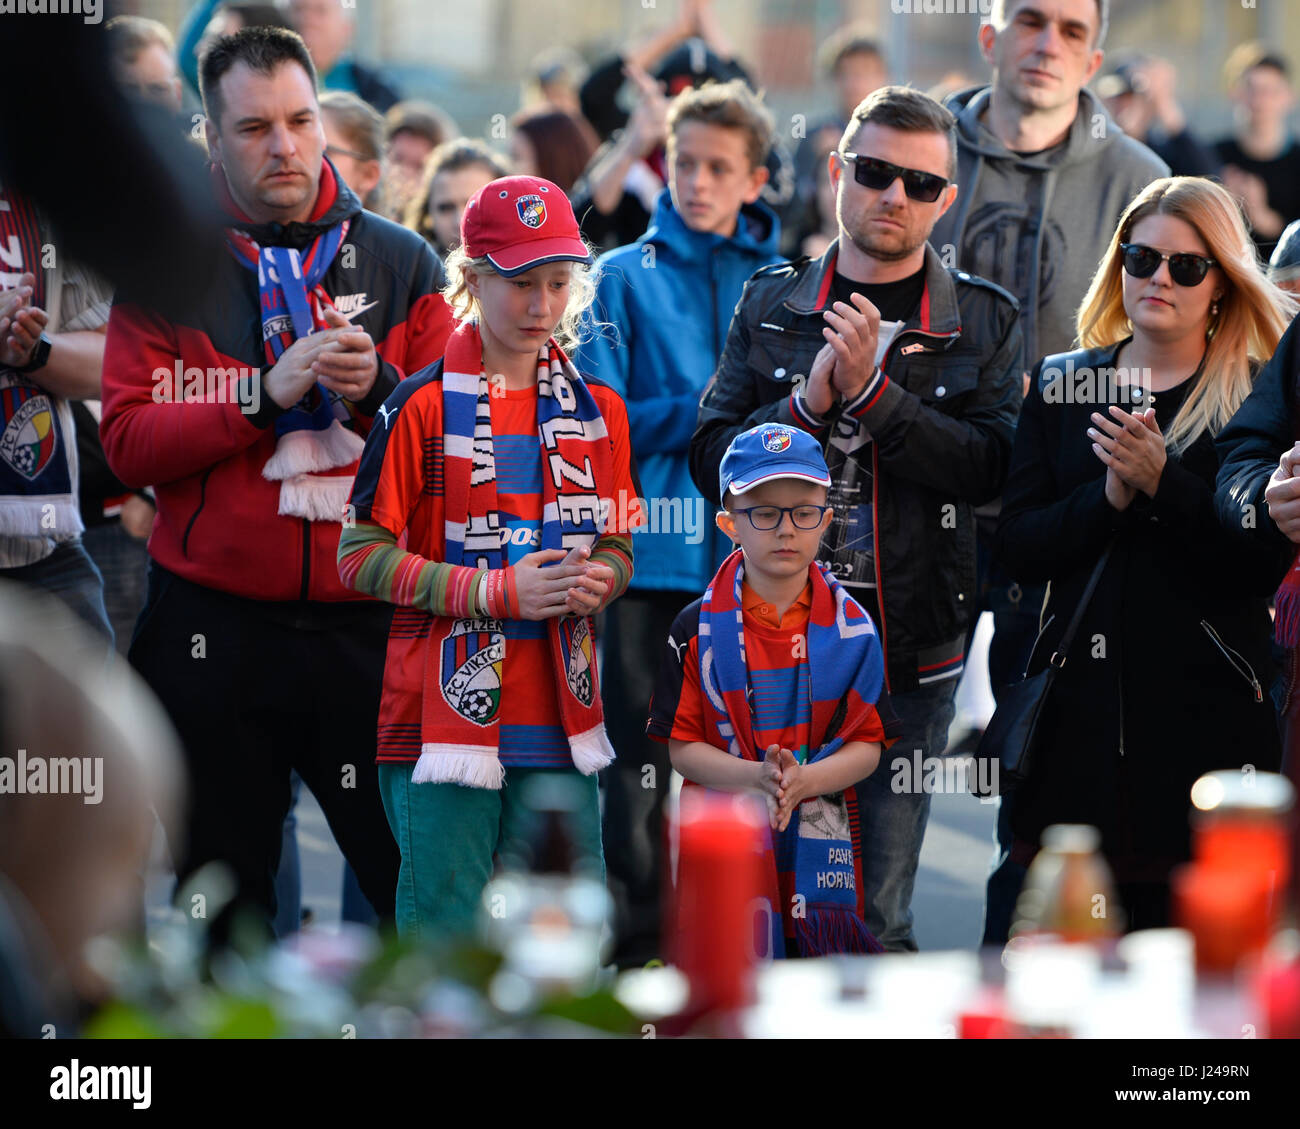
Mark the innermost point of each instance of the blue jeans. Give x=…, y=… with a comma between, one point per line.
x=123, y=561
x=69, y=574
x=1004, y=882
x=288, y=878
x=892, y=823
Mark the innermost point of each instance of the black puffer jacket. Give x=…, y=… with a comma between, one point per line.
x=1169, y=675
x=941, y=426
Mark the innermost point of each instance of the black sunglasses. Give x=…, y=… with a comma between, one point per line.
x=1185, y=268
x=879, y=175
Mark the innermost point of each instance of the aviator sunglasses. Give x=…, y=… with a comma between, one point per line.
x=879, y=175
x=1185, y=268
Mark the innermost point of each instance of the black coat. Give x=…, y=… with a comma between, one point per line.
x=1254, y=440
x=1169, y=675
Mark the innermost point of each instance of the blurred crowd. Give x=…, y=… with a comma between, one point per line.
x=1037, y=321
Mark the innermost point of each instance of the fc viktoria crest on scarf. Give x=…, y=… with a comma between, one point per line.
x=30, y=436
x=579, y=661
x=532, y=210
x=471, y=669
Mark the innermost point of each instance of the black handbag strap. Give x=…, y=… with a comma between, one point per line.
x=1063, y=646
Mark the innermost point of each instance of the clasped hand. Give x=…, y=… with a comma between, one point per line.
x=784, y=784
x=1132, y=447
x=574, y=586
x=845, y=364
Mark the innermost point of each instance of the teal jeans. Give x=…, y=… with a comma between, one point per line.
x=449, y=836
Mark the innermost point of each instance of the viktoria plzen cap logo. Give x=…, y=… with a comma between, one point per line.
x=532, y=210
x=776, y=439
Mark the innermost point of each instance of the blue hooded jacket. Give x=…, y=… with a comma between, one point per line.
x=668, y=300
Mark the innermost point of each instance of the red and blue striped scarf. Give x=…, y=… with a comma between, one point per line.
x=462, y=681
x=815, y=859
x=310, y=437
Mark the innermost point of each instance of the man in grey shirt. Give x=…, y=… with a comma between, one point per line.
x=1045, y=175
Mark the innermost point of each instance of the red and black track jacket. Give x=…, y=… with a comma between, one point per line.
x=218, y=522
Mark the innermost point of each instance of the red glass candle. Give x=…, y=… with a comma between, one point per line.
x=1241, y=830
x=718, y=881
x=1227, y=911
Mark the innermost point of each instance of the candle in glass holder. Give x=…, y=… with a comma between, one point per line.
x=718, y=883
x=1242, y=862
x=1226, y=909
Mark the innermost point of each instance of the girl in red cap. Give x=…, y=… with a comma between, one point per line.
x=509, y=475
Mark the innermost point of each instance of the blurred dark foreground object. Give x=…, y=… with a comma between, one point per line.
x=126, y=191
x=87, y=757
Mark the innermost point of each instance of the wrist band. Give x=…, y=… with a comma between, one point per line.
x=493, y=586
x=510, y=595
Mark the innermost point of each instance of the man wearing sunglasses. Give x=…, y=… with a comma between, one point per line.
x=909, y=374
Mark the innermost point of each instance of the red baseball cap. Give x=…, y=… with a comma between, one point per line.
x=521, y=222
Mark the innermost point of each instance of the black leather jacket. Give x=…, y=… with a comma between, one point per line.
x=941, y=425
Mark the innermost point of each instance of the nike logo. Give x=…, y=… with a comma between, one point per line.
x=351, y=305
x=678, y=648
x=386, y=412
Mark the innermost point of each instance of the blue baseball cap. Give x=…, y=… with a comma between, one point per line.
x=770, y=451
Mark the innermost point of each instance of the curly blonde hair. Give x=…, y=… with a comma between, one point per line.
x=574, y=328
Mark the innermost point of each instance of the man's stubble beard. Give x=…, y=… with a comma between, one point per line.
x=881, y=254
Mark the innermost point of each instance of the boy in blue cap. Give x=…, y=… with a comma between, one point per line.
x=773, y=682
x=663, y=305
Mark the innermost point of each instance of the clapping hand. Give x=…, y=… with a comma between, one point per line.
x=1132, y=447
x=21, y=323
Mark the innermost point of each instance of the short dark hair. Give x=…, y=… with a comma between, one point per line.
x=1251, y=56
x=732, y=105
x=852, y=40
x=998, y=17
x=261, y=49
x=908, y=110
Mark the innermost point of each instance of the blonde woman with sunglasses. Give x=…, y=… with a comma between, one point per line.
x=1169, y=673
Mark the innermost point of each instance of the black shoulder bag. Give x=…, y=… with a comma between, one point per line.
x=1012, y=732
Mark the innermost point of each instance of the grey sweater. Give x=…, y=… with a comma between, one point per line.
x=1038, y=225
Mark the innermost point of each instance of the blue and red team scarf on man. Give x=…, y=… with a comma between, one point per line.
x=461, y=705
x=812, y=868
x=311, y=440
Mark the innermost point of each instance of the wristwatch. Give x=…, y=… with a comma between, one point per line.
x=40, y=355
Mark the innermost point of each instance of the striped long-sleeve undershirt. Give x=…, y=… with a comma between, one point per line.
x=370, y=561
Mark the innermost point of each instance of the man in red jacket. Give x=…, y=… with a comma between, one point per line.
x=247, y=415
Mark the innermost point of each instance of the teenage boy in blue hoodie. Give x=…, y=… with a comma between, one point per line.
x=664, y=304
